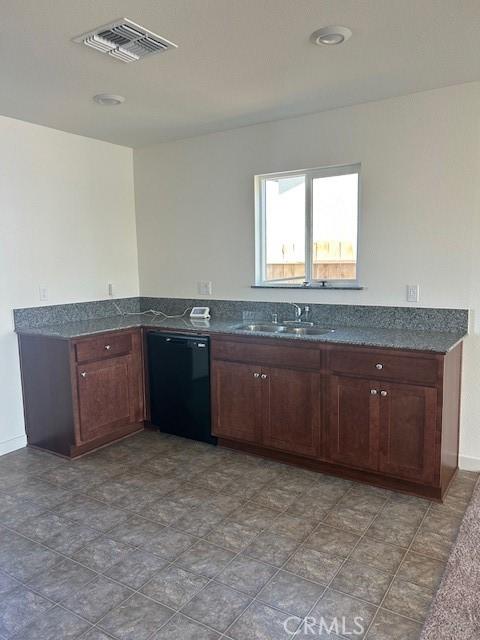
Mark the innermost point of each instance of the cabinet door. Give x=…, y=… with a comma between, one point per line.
x=353, y=425
x=236, y=393
x=291, y=410
x=408, y=416
x=107, y=396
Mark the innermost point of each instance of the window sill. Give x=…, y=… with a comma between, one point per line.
x=314, y=287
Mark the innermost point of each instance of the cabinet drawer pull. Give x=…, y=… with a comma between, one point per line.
x=83, y=374
x=379, y=366
x=264, y=376
x=256, y=375
x=373, y=392
x=108, y=347
x=383, y=393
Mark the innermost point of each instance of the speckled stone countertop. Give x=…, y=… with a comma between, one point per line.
x=410, y=339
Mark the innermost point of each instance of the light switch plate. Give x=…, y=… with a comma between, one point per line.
x=43, y=293
x=204, y=287
x=413, y=293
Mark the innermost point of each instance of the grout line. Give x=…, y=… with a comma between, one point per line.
x=362, y=536
x=285, y=563
x=189, y=480
x=170, y=563
x=397, y=571
x=387, y=501
x=242, y=552
x=232, y=559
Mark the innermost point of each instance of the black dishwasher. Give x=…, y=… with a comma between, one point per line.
x=179, y=377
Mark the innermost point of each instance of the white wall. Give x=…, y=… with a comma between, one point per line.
x=68, y=223
x=420, y=214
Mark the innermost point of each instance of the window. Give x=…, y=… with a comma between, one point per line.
x=306, y=227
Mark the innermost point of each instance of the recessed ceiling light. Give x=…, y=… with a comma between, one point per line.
x=108, y=99
x=331, y=35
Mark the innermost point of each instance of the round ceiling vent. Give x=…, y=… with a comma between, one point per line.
x=108, y=99
x=331, y=35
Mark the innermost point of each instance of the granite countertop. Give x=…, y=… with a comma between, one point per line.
x=416, y=340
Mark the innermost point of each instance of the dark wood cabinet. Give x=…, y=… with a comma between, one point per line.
x=278, y=407
x=106, y=399
x=291, y=404
x=236, y=401
x=408, y=418
x=383, y=427
x=80, y=394
x=384, y=416
x=353, y=422
x=414, y=368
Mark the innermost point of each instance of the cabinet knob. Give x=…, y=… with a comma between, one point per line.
x=379, y=366
x=83, y=374
x=373, y=392
x=383, y=393
x=264, y=376
x=256, y=375
x=108, y=347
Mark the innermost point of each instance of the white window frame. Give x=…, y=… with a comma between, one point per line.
x=260, y=227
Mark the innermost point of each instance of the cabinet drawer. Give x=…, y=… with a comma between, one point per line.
x=103, y=347
x=378, y=366
x=268, y=355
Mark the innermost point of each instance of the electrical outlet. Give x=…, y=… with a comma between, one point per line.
x=413, y=293
x=204, y=287
x=42, y=293
x=110, y=290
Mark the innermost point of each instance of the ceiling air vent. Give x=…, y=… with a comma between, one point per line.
x=124, y=40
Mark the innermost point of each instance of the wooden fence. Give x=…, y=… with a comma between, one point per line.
x=331, y=270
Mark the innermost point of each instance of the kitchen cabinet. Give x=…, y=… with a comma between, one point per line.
x=291, y=410
x=236, y=401
x=394, y=415
x=278, y=407
x=408, y=418
x=383, y=427
x=384, y=416
x=353, y=423
x=388, y=417
x=81, y=394
x=106, y=399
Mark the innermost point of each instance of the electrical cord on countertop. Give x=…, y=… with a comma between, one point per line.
x=152, y=311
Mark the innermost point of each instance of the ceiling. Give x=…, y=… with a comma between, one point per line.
x=238, y=62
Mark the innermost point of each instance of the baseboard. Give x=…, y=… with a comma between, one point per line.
x=12, y=444
x=468, y=463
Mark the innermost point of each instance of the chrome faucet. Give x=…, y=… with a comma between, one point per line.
x=298, y=311
x=301, y=315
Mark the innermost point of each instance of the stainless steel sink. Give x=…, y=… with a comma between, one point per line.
x=308, y=331
x=298, y=323
x=264, y=327
x=280, y=328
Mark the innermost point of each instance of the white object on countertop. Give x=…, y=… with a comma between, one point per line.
x=200, y=313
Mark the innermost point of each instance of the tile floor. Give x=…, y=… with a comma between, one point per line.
x=159, y=538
